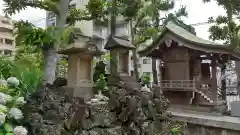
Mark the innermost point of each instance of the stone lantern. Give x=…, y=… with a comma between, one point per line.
x=119, y=47
x=80, y=66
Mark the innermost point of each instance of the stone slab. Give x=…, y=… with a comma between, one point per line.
x=79, y=91
x=207, y=119
x=235, y=108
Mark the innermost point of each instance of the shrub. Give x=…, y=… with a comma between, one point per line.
x=10, y=114
x=99, y=69
x=146, y=80
x=101, y=86
x=25, y=69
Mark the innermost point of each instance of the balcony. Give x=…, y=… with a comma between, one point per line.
x=7, y=47
x=6, y=27
x=178, y=84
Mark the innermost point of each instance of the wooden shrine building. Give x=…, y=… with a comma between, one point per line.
x=188, y=65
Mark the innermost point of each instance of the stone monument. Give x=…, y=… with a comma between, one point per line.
x=80, y=66
x=119, y=51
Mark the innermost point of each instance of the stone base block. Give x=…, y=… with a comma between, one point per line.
x=79, y=91
x=235, y=108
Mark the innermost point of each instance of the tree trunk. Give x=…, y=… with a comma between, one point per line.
x=113, y=53
x=50, y=57
x=135, y=58
x=154, y=65
x=154, y=70
x=50, y=54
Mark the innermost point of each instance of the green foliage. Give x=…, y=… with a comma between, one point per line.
x=28, y=35
x=6, y=67
x=100, y=85
x=129, y=8
x=96, y=8
x=146, y=79
x=14, y=6
x=100, y=79
x=27, y=68
x=148, y=22
x=226, y=27
x=99, y=69
x=38, y=38
x=176, y=129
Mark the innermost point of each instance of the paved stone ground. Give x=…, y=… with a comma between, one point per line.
x=207, y=119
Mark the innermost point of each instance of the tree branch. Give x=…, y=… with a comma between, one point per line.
x=14, y=6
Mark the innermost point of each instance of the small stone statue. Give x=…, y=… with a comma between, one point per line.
x=78, y=112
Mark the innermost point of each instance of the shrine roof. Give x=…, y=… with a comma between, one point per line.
x=83, y=44
x=176, y=33
x=118, y=42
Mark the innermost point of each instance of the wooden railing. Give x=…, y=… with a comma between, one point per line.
x=178, y=84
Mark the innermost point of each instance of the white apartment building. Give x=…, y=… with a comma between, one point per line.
x=7, y=42
x=100, y=34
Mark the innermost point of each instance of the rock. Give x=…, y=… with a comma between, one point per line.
x=59, y=82
x=51, y=112
x=101, y=114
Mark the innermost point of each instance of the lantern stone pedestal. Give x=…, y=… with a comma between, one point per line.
x=80, y=67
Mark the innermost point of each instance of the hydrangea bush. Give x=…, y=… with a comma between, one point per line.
x=10, y=112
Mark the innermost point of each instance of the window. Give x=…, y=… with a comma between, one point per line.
x=7, y=52
x=146, y=61
x=1, y=40
x=5, y=22
x=8, y=41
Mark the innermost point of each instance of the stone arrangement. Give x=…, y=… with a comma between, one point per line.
x=128, y=111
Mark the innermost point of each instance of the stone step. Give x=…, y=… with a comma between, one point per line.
x=204, y=96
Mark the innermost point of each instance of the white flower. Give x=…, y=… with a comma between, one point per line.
x=2, y=95
x=13, y=81
x=3, y=108
x=2, y=118
x=3, y=82
x=6, y=97
x=16, y=113
x=3, y=101
x=20, y=130
x=20, y=101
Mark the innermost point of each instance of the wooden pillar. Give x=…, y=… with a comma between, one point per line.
x=223, y=81
x=214, y=79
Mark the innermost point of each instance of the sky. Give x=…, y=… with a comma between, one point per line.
x=197, y=12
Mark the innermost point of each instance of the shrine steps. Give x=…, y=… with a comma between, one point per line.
x=204, y=96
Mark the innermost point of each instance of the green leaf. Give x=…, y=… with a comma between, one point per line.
x=8, y=127
x=9, y=134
